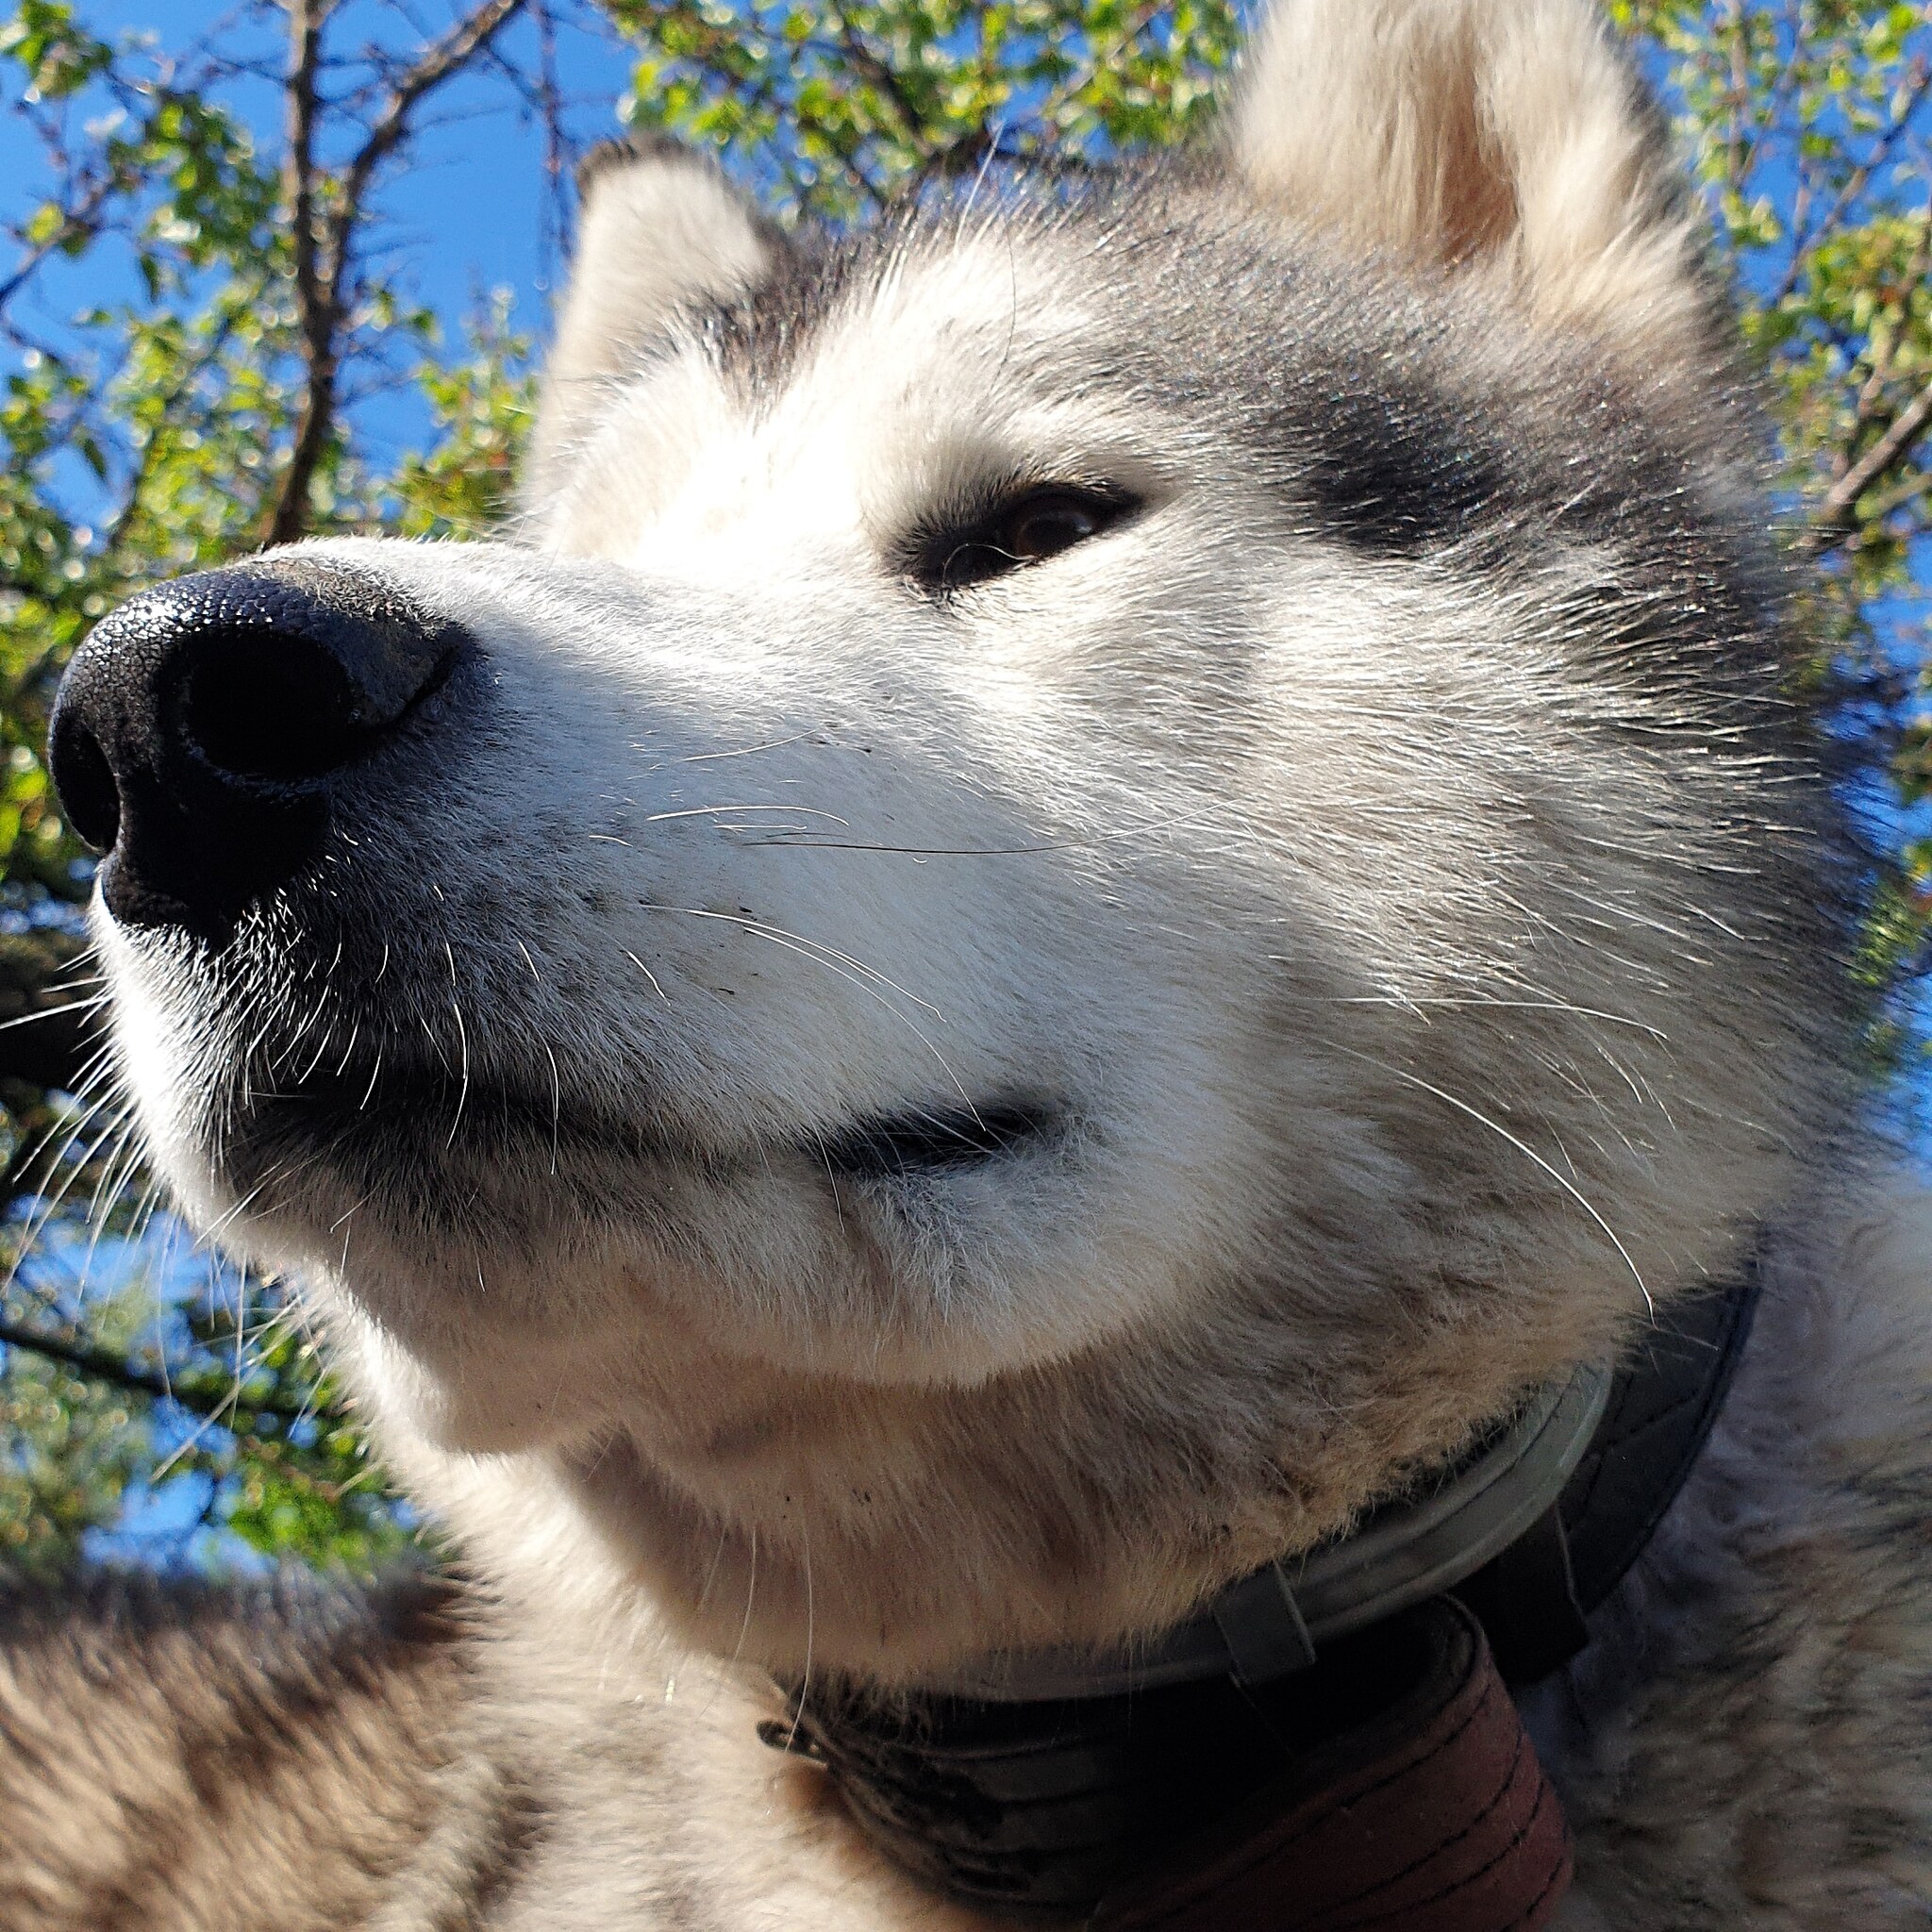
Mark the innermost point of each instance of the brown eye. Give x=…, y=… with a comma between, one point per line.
x=1045, y=525
x=1026, y=528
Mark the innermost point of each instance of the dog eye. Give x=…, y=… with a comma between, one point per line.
x=1027, y=529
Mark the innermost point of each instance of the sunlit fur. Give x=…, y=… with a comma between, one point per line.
x=1389, y=872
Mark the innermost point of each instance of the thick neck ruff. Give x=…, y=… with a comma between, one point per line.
x=1329, y=1744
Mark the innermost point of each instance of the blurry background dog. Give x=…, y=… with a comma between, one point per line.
x=1166, y=859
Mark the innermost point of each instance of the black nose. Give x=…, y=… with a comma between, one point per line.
x=200, y=733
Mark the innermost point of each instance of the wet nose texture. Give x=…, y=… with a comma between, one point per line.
x=204, y=731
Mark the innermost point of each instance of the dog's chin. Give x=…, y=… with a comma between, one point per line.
x=718, y=1586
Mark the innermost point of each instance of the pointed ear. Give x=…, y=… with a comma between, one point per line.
x=1506, y=138
x=660, y=228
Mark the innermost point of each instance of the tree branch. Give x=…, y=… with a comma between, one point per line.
x=83, y=220
x=1855, y=184
x=324, y=246
x=315, y=299
x=884, y=77
x=1735, y=148
x=1834, y=518
x=442, y=62
x=557, y=153
x=1884, y=348
x=103, y=1365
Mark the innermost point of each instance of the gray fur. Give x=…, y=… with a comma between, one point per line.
x=176, y=1756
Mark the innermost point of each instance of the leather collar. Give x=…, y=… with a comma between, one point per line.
x=1040, y=1785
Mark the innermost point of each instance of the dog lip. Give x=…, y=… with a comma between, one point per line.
x=416, y=1109
x=426, y=1107
x=925, y=1141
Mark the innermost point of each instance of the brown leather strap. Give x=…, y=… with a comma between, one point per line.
x=1436, y=1818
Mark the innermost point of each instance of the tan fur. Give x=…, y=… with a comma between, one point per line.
x=177, y=1760
x=1500, y=141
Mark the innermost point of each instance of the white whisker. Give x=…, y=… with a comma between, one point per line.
x=1529, y=1153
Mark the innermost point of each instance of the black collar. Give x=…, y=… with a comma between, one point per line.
x=1030, y=1784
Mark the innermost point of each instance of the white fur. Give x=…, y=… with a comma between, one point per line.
x=650, y=238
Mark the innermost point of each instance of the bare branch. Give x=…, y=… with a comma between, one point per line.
x=324, y=243
x=1834, y=518
x=439, y=63
x=315, y=299
x=558, y=156
x=80, y=222
x=542, y=97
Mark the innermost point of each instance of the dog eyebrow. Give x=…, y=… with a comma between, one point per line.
x=1393, y=483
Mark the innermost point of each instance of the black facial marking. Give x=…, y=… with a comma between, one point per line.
x=921, y=1141
x=1394, y=474
x=757, y=337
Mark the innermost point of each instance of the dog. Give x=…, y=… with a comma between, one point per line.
x=1109, y=872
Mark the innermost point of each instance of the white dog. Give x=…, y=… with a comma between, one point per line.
x=1111, y=951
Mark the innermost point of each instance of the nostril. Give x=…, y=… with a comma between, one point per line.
x=197, y=729
x=281, y=709
x=85, y=782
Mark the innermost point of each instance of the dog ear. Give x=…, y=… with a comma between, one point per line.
x=660, y=228
x=1506, y=138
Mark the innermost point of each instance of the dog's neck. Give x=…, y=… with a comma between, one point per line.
x=900, y=1530
x=1436, y=1532
x=1026, y=1781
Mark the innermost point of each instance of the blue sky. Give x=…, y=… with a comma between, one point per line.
x=467, y=216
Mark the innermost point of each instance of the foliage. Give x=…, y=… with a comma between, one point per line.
x=206, y=320
x=1809, y=125
x=463, y=486
x=832, y=111
x=173, y=404
x=143, y=1385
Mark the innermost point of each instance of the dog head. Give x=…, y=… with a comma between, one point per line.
x=1107, y=863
